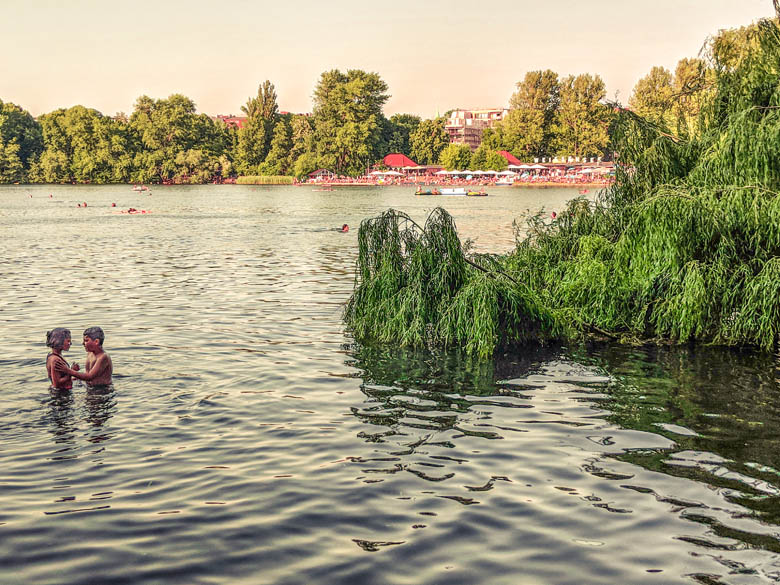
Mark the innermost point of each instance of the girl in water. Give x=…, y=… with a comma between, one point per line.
x=58, y=340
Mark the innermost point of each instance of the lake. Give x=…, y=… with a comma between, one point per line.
x=247, y=439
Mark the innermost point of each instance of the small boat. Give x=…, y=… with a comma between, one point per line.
x=504, y=183
x=421, y=191
x=453, y=191
x=476, y=194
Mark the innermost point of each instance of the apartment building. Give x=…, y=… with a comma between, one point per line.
x=466, y=126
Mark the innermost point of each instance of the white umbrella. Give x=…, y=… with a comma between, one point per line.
x=491, y=172
x=442, y=172
x=479, y=172
x=507, y=173
x=395, y=173
x=537, y=167
x=517, y=166
x=377, y=173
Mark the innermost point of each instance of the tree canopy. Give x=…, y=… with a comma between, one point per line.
x=348, y=119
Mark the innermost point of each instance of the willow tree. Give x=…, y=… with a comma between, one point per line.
x=685, y=246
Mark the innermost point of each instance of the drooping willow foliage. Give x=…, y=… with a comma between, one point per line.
x=685, y=246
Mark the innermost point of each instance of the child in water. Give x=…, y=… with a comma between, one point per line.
x=98, y=367
x=58, y=340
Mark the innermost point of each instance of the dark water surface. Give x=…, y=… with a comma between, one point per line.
x=248, y=440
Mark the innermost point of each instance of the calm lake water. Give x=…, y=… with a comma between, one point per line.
x=248, y=440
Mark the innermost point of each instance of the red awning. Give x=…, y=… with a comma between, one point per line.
x=510, y=158
x=397, y=160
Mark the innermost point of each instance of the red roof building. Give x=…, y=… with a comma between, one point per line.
x=231, y=120
x=510, y=158
x=398, y=161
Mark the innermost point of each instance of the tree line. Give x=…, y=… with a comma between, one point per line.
x=165, y=140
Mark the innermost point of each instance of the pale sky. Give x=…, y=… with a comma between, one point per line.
x=435, y=55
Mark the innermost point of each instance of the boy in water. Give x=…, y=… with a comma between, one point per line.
x=98, y=367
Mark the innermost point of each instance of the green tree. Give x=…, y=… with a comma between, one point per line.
x=278, y=160
x=527, y=129
x=347, y=119
x=428, y=140
x=302, y=139
x=304, y=164
x=582, y=120
x=19, y=127
x=397, y=131
x=11, y=167
x=494, y=162
x=83, y=145
x=164, y=131
x=254, y=139
x=693, y=83
x=455, y=157
x=653, y=97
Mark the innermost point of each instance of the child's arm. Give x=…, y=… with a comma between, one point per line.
x=97, y=368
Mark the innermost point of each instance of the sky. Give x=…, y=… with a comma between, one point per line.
x=435, y=55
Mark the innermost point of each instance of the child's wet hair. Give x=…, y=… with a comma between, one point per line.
x=95, y=333
x=56, y=337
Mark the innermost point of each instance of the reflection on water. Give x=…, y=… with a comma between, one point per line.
x=708, y=416
x=248, y=439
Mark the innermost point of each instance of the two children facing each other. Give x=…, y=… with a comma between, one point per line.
x=97, y=369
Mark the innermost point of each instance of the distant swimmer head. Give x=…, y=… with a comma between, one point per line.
x=57, y=337
x=113, y=205
x=345, y=228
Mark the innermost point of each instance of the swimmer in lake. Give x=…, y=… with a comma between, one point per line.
x=58, y=340
x=345, y=228
x=98, y=367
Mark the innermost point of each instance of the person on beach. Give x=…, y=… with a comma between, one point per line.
x=60, y=376
x=98, y=367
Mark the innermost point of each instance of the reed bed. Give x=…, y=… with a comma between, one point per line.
x=684, y=247
x=264, y=180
